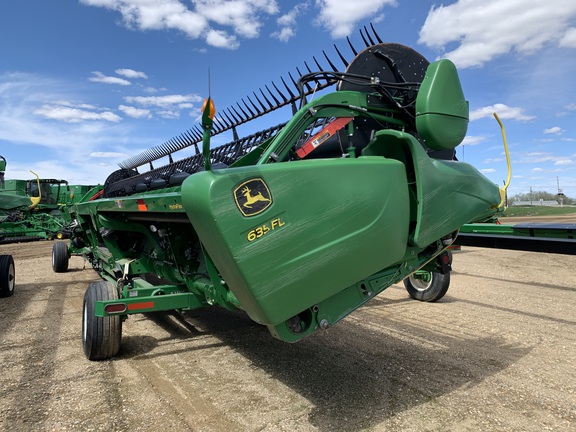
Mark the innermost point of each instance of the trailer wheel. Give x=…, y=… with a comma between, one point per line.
x=427, y=286
x=60, y=257
x=7, y=275
x=101, y=336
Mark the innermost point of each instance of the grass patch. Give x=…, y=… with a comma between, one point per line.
x=516, y=211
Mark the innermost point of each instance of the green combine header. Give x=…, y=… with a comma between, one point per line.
x=297, y=225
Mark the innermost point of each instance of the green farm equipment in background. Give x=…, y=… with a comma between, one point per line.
x=35, y=209
x=297, y=225
x=7, y=269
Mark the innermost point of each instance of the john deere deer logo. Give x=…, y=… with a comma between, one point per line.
x=252, y=197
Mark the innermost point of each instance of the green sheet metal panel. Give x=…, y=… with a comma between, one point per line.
x=448, y=193
x=321, y=226
x=441, y=109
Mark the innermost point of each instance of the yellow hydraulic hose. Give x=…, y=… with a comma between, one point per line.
x=503, y=190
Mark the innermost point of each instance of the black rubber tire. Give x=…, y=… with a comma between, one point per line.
x=60, y=257
x=428, y=290
x=7, y=275
x=101, y=336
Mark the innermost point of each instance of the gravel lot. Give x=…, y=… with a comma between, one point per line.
x=496, y=354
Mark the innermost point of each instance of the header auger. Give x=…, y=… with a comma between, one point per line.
x=297, y=225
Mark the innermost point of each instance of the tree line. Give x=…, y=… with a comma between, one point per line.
x=541, y=195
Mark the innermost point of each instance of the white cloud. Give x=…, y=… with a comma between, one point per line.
x=564, y=162
x=163, y=101
x=74, y=115
x=491, y=28
x=341, y=17
x=569, y=39
x=101, y=78
x=287, y=23
x=64, y=146
x=244, y=18
x=135, y=112
x=471, y=140
x=503, y=111
x=131, y=73
x=169, y=114
x=221, y=39
x=284, y=34
x=108, y=155
x=487, y=170
x=534, y=170
x=553, y=130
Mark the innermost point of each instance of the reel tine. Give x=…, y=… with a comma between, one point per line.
x=270, y=106
x=216, y=127
x=341, y=56
x=293, y=82
x=375, y=34
x=308, y=67
x=226, y=120
x=317, y=64
x=310, y=89
x=243, y=112
x=247, y=107
x=181, y=143
x=352, y=46
x=272, y=94
x=177, y=146
x=171, y=146
x=198, y=132
x=364, y=39
x=334, y=68
x=255, y=106
x=368, y=36
x=264, y=107
x=239, y=118
x=287, y=88
x=193, y=134
x=236, y=119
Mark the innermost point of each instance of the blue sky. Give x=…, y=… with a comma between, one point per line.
x=85, y=84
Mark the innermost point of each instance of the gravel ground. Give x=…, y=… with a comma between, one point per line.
x=496, y=354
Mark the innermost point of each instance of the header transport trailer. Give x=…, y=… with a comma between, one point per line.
x=297, y=225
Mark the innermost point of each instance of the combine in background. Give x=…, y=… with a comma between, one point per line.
x=35, y=209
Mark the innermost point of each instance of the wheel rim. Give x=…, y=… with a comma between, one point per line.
x=84, y=321
x=11, y=278
x=422, y=282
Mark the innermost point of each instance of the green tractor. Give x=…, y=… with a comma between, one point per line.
x=297, y=225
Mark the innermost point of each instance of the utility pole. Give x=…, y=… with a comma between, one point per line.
x=530, y=195
x=560, y=192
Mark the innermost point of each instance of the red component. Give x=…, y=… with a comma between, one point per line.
x=141, y=205
x=115, y=308
x=97, y=195
x=143, y=305
x=322, y=136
